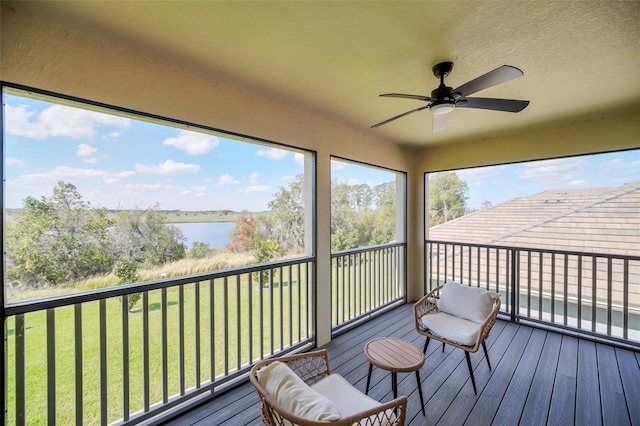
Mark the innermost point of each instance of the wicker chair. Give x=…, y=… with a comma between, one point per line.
x=452, y=328
x=313, y=368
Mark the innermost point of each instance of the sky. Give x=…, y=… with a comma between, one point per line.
x=118, y=162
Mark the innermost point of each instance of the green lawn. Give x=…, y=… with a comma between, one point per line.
x=236, y=295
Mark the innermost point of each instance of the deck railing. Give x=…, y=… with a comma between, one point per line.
x=87, y=359
x=592, y=294
x=365, y=281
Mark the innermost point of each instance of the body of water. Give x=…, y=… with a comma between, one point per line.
x=216, y=234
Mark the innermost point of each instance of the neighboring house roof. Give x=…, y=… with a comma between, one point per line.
x=595, y=220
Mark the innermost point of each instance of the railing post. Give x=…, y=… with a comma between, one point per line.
x=514, y=284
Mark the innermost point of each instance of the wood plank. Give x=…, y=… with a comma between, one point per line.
x=614, y=406
x=461, y=406
x=588, y=411
x=629, y=365
x=563, y=398
x=536, y=408
x=512, y=403
x=489, y=400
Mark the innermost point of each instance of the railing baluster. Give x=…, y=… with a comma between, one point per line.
x=165, y=344
x=51, y=366
x=300, y=302
x=181, y=338
x=196, y=318
x=594, y=294
x=625, y=303
x=579, y=283
x=540, y=284
x=528, y=283
x=566, y=288
x=238, y=325
x=104, y=409
x=271, y=322
x=553, y=287
x=79, y=389
x=21, y=374
x=250, y=317
x=261, y=312
x=290, y=305
x=212, y=331
x=125, y=357
x=145, y=350
x=609, y=293
x=225, y=339
x=281, y=306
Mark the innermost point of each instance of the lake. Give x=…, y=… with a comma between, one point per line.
x=216, y=234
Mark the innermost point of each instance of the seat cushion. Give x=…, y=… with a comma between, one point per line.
x=452, y=328
x=347, y=399
x=471, y=303
x=295, y=395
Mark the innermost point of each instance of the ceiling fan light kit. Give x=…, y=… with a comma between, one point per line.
x=444, y=99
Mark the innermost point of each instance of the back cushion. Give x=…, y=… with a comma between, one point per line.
x=295, y=395
x=471, y=303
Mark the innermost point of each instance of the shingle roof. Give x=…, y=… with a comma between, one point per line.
x=595, y=220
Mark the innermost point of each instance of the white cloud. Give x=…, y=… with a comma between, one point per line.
x=253, y=178
x=85, y=150
x=144, y=186
x=272, y=153
x=200, y=194
x=577, y=182
x=111, y=181
x=73, y=172
x=58, y=120
x=90, y=160
x=256, y=188
x=299, y=158
x=477, y=176
x=14, y=162
x=124, y=174
x=193, y=143
x=169, y=167
x=187, y=192
x=337, y=165
x=227, y=179
x=552, y=172
x=199, y=188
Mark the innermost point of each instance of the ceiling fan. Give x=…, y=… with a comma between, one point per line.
x=444, y=99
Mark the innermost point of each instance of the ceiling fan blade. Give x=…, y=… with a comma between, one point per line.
x=399, y=116
x=440, y=122
x=402, y=95
x=492, y=78
x=508, y=105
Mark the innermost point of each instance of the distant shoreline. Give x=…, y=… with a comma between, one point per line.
x=178, y=216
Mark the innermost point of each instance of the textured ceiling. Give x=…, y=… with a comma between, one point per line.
x=580, y=59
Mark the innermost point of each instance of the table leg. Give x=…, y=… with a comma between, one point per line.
x=420, y=391
x=394, y=384
x=369, y=378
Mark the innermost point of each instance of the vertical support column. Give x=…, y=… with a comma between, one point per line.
x=321, y=294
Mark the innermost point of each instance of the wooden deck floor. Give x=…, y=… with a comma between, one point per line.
x=538, y=377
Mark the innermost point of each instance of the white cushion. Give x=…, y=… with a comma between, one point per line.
x=452, y=328
x=295, y=395
x=472, y=303
x=347, y=399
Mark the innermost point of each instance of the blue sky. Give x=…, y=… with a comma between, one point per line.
x=118, y=162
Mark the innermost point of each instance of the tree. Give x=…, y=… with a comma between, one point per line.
x=126, y=270
x=58, y=238
x=288, y=207
x=199, y=250
x=447, y=197
x=145, y=236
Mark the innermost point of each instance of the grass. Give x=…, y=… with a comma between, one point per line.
x=229, y=347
